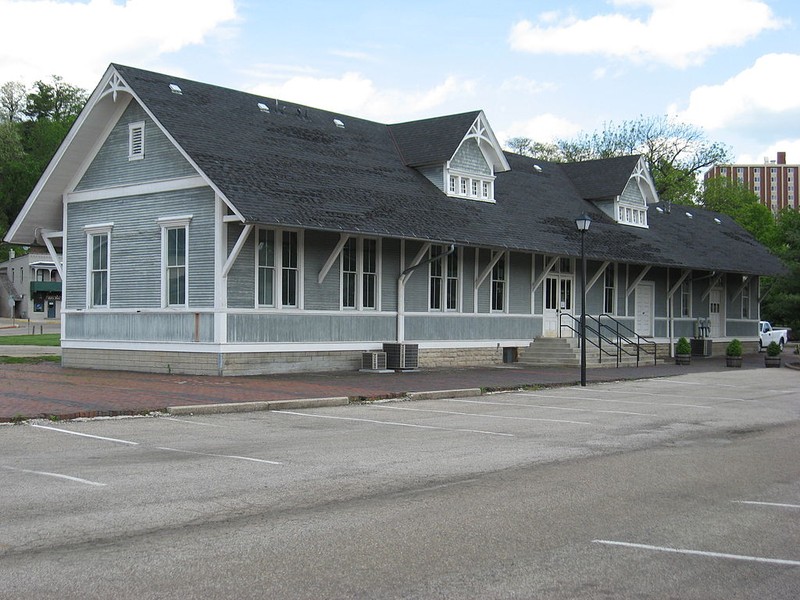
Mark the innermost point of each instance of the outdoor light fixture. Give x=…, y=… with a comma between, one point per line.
x=582, y=223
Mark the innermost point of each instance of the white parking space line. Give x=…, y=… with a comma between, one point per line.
x=776, y=504
x=759, y=559
x=681, y=405
x=463, y=414
x=674, y=381
x=584, y=398
x=393, y=423
x=95, y=437
x=190, y=422
x=233, y=456
x=56, y=475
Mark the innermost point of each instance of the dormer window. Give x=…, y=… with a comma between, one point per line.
x=632, y=215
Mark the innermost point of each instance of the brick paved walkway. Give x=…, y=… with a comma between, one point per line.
x=47, y=389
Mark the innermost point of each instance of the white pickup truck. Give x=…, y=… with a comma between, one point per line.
x=767, y=334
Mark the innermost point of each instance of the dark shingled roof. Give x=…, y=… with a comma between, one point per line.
x=602, y=178
x=294, y=167
x=431, y=141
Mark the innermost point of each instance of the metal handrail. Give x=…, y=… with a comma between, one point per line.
x=641, y=344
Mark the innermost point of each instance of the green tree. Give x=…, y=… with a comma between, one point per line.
x=56, y=101
x=729, y=197
x=13, y=97
x=782, y=305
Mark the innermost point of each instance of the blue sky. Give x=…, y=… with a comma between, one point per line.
x=541, y=69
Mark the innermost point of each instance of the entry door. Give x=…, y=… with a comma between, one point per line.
x=51, y=309
x=557, y=301
x=644, y=308
x=715, y=312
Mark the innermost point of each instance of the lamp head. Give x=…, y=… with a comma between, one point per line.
x=583, y=222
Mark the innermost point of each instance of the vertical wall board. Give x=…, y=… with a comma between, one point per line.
x=390, y=272
x=242, y=276
x=519, y=283
x=324, y=296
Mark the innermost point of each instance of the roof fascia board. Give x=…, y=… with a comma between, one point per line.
x=184, y=153
x=101, y=139
x=97, y=94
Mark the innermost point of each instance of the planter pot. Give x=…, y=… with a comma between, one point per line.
x=772, y=361
x=733, y=361
x=683, y=359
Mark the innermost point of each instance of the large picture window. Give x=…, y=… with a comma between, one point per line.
x=360, y=273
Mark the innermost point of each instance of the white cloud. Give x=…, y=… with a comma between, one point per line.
x=526, y=86
x=678, y=33
x=541, y=128
x=765, y=96
x=355, y=94
x=77, y=40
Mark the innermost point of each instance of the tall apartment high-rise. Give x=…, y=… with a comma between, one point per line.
x=773, y=181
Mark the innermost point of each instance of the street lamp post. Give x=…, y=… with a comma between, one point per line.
x=582, y=223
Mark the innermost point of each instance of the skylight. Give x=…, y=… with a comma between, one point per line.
x=175, y=89
x=717, y=221
x=263, y=107
x=690, y=215
x=338, y=123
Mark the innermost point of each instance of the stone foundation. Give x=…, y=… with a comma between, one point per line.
x=259, y=363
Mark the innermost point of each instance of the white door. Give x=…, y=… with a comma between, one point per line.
x=557, y=301
x=715, y=313
x=644, y=308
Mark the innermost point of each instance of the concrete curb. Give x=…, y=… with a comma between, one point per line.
x=235, y=407
x=439, y=394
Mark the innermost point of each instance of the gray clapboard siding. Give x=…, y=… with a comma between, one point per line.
x=111, y=166
x=272, y=327
x=325, y=295
x=519, y=284
x=135, y=268
x=242, y=276
x=435, y=175
x=390, y=273
x=455, y=327
x=178, y=327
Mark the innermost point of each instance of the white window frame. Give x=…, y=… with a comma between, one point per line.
x=136, y=140
x=279, y=269
x=91, y=232
x=361, y=275
x=612, y=269
x=468, y=185
x=746, y=312
x=440, y=276
x=685, y=300
x=502, y=283
x=167, y=224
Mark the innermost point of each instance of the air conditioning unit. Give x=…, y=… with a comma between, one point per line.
x=373, y=361
x=402, y=356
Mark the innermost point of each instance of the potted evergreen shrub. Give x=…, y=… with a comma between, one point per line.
x=683, y=352
x=733, y=353
x=773, y=357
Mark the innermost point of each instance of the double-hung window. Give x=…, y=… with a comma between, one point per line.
x=444, y=278
x=686, y=299
x=609, y=287
x=499, y=285
x=98, y=264
x=278, y=268
x=175, y=260
x=360, y=273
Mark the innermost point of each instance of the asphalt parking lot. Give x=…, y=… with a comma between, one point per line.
x=685, y=487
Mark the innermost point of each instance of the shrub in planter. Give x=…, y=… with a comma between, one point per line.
x=773, y=357
x=733, y=353
x=683, y=352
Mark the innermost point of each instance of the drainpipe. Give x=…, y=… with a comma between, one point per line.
x=401, y=286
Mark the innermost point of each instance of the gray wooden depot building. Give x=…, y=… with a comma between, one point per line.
x=199, y=229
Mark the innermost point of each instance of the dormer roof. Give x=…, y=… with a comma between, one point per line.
x=602, y=179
